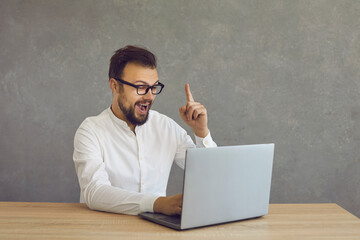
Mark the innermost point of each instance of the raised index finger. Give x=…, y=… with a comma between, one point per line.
x=189, y=96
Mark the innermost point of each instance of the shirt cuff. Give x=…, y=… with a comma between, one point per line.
x=147, y=203
x=205, y=142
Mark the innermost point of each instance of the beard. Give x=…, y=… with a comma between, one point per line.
x=130, y=112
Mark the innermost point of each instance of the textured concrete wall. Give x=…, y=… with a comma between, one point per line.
x=268, y=71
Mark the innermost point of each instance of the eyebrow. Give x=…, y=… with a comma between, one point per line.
x=145, y=83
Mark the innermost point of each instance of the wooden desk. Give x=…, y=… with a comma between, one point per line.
x=76, y=221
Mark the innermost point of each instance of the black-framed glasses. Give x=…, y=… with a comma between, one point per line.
x=143, y=89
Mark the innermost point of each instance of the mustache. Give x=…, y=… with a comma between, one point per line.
x=144, y=102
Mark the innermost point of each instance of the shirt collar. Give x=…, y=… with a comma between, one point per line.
x=117, y=120
x=122, y=123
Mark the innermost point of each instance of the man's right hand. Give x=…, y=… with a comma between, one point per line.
x=169, y=205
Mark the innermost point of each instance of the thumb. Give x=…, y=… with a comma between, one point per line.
x=182, y=110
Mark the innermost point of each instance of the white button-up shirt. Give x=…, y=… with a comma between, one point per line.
x=123, y=172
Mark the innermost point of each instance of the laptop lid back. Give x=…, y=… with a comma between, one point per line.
x=226, y=184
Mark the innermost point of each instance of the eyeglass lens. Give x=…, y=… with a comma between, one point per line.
x=142, y=90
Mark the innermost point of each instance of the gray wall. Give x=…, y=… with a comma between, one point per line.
x=268, y=71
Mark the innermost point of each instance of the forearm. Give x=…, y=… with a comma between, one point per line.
x=111, y=199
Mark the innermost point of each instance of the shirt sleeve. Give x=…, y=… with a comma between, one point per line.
x=186, y=142
x=205, y=142
x=96, y=189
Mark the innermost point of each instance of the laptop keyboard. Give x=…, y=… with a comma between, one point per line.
x=171, y=219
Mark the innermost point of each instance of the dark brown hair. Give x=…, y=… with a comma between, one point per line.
x=130, y=54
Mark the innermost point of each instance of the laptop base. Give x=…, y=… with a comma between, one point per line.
x=165, y=220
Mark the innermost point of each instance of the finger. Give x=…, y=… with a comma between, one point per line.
x=194, y=110
x=182, y=110
x=189, y=111
x=196, y=114
x=182, y=113
x=180, y=199
x=178, y=211
x=189, y=96
x=199, y=112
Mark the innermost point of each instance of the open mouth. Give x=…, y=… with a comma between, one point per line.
x=143, y=107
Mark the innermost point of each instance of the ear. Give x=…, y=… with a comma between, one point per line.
x=113, y=85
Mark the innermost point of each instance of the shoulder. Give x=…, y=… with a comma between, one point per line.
x=95, y=122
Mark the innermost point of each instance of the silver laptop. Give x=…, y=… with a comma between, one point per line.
x=222, y=184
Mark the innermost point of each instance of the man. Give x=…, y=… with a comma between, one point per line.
x=124, y=155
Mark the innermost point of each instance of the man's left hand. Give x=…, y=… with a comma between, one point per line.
x=194, y=114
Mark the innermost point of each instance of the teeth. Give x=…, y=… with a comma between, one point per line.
x=143, y=106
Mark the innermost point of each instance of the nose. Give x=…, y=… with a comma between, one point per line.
x=149, y=95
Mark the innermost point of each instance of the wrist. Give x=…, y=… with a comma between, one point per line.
x=158, y=204
x=202, y=133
